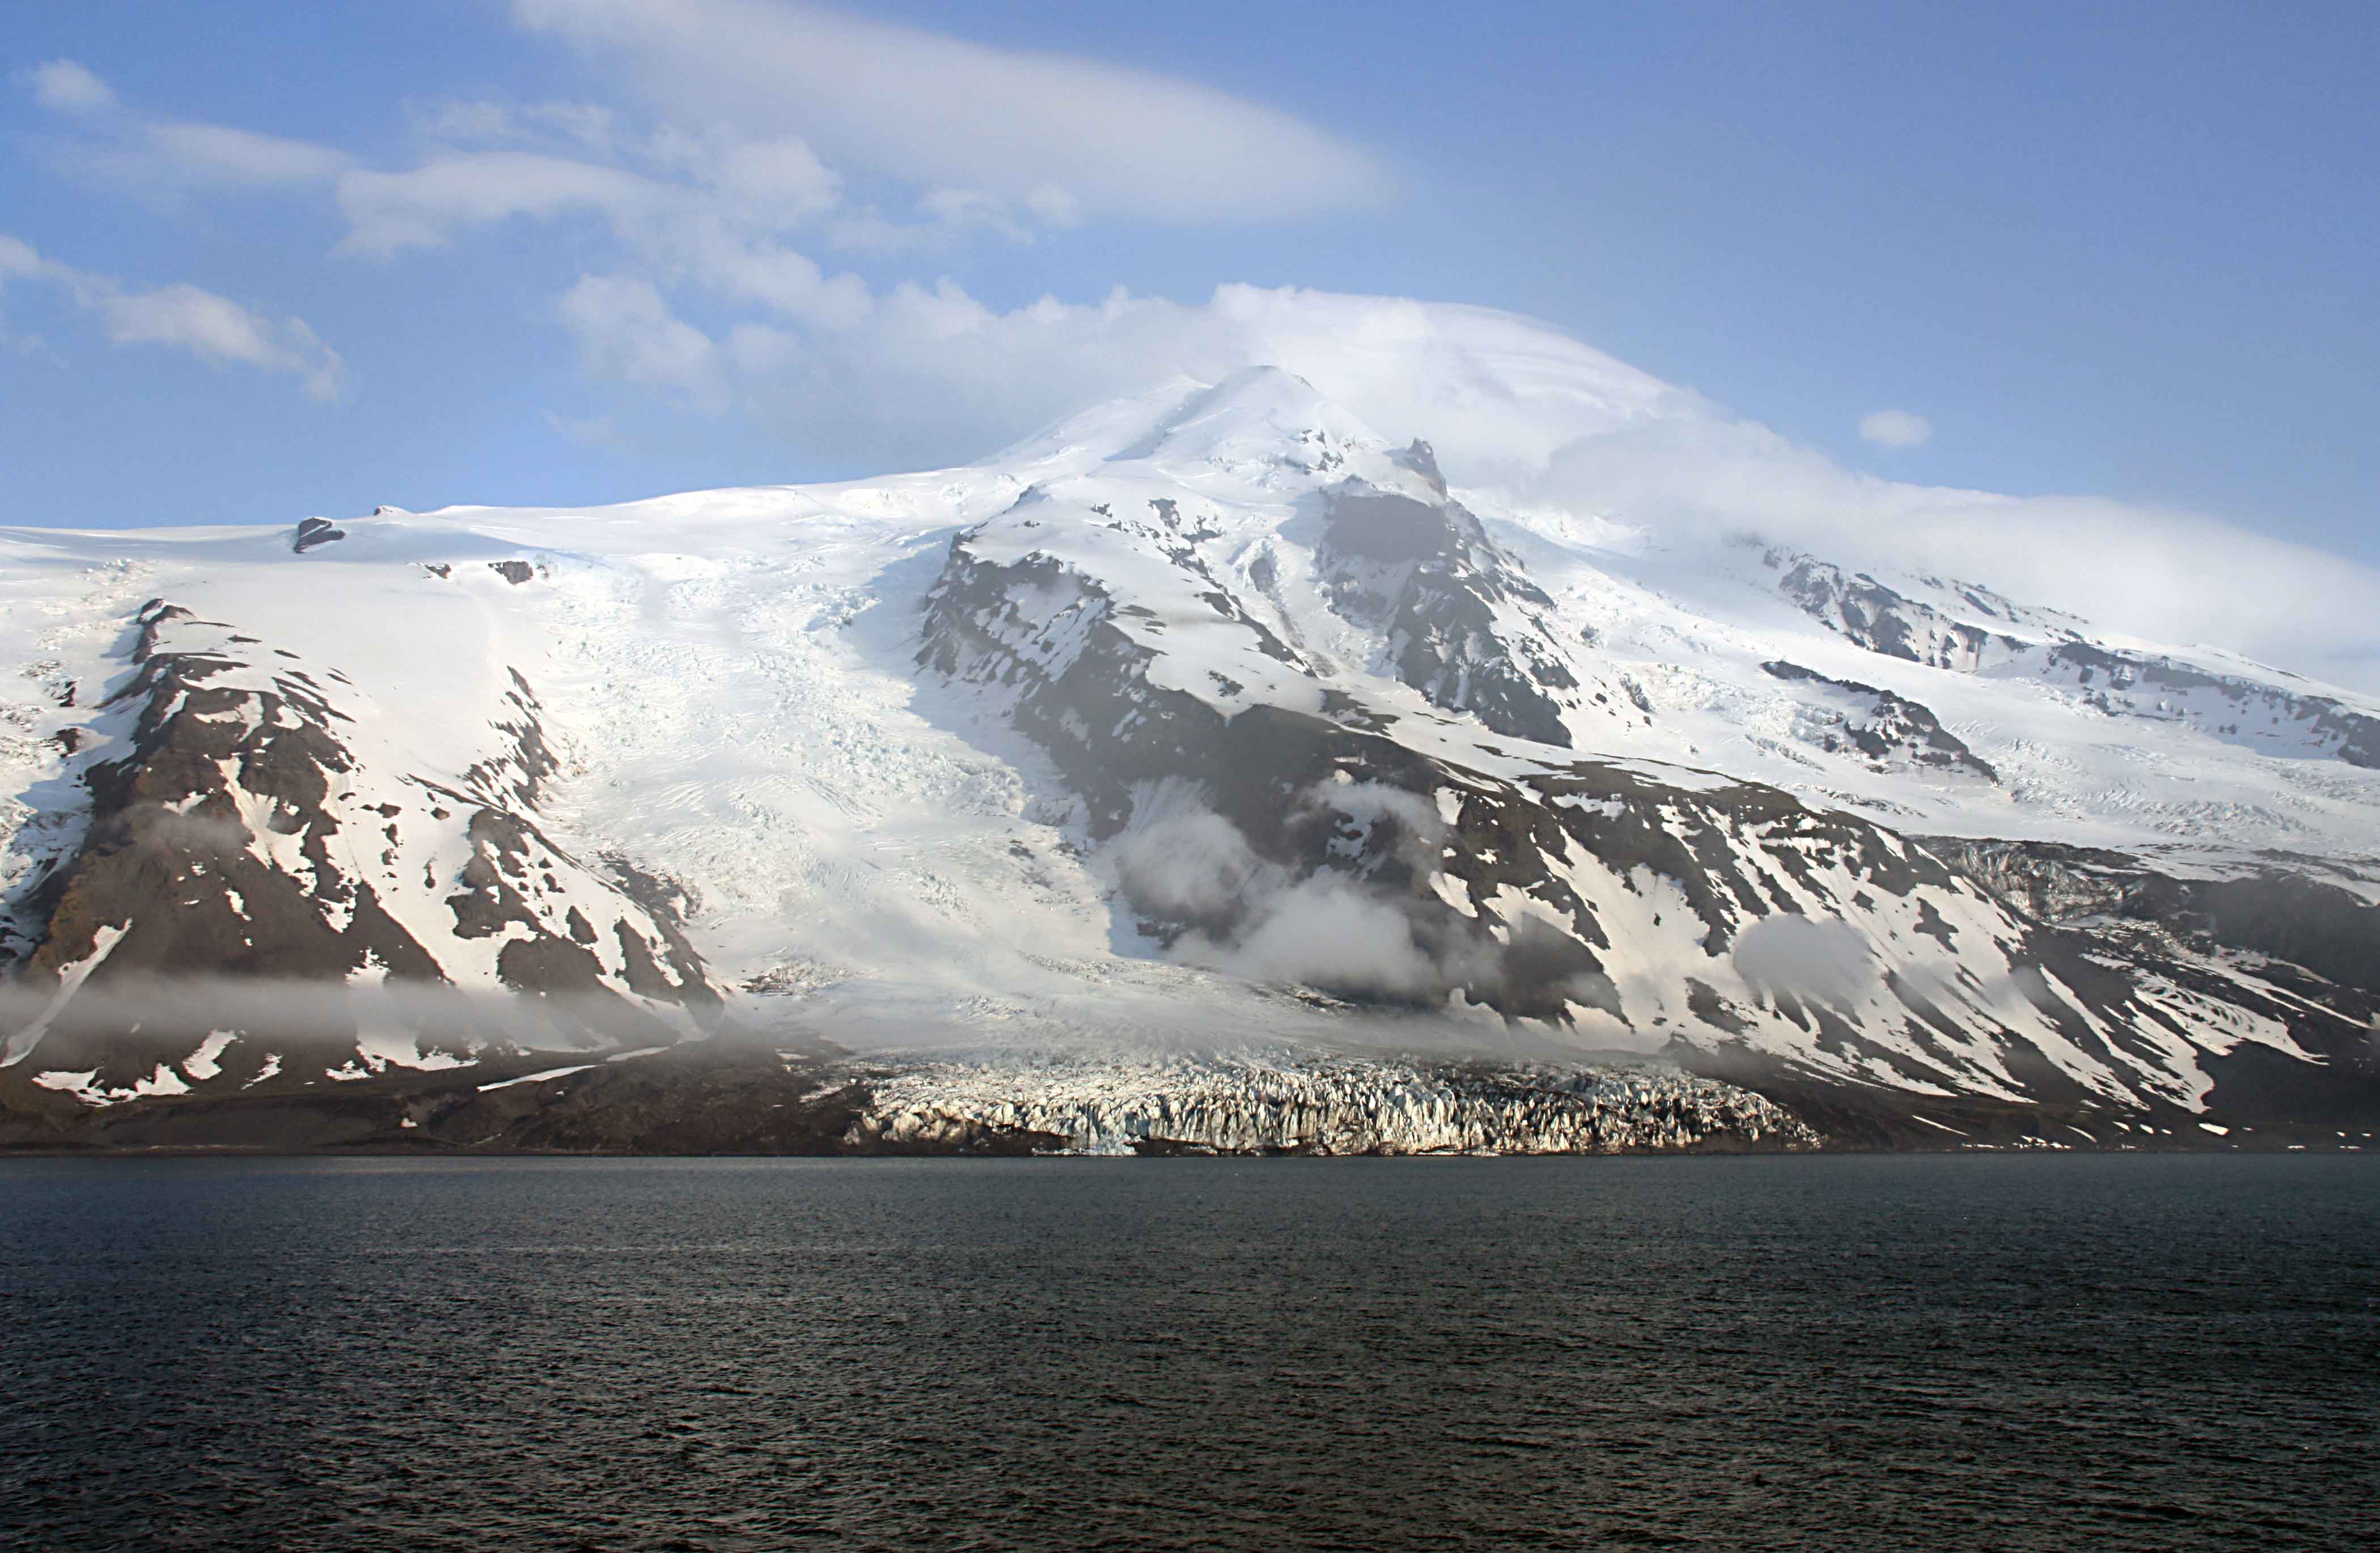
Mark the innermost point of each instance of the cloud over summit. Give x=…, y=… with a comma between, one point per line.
x=759, y=213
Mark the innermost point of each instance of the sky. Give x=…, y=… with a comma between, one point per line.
x=260, y=262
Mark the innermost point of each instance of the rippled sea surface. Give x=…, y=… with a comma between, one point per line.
x=1911, y=1353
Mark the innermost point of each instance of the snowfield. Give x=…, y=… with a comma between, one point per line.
x=979, y=758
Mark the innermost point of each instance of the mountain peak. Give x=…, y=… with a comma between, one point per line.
x=1254, y=415
x=1209, y=690
x=1257, y=411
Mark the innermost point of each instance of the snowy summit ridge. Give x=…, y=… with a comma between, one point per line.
x=1209, y=716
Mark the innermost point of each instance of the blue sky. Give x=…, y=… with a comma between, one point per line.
x=2122, y=250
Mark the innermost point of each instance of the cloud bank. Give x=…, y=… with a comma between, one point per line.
x=1058, y=134
x=184, y=317
x=1520, y=413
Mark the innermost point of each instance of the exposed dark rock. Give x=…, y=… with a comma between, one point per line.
x=1430, y=580
x=176, y=882
x=667, y=902
x=1529, y=943
x=1421, y=460
x=1891, y=730
x=2144, y=685
x=2278, y=912
x=2119, y=682
x=314, y=532
x=167, y=869
x=1883, y=620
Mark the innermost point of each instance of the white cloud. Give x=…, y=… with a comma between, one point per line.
x=1327, y=931
x=18, y=259
x=625, y=330
x=186, y=317
x=1053, y=205
x=944, y=112
x=776, y=183
x=920, y=377
x=1182, y=862
x=1896, y=428
x=714, y=238
x=748, y=269
x=64, y=86
x=956, y=210
x=218, y=155
x=163, y=160
x=678, y=232
x=589, y=126
x=218, y=329
x=770, y=182
x=427, y=206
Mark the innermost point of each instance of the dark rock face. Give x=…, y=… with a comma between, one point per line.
x=1536, y=894
x=1891, y=731
x=974, y=633
x=2278, y=911
x=1427, y=576
x=165, y=870
x=2138, y=684
x=315, y=532
x=712, y=1096
x=1542, y=896
x=227, y=846
x=1885, y=621
x=2312, y=945
x=2122, y=684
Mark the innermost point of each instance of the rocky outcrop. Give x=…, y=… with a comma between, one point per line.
x=313, y=533
x=1885, y=621
x=2002, y=640
x=1893, y=733
x=2284, y=914
x=2225, y=706
x=1461, y=624
x=237, y=839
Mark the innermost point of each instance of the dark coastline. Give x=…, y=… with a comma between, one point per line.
x=742, y=1101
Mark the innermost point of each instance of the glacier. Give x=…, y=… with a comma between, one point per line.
x=1209, y=716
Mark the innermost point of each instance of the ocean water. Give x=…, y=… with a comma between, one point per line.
x=2099, y=1352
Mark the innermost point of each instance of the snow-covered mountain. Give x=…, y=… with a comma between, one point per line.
x=1209, y=722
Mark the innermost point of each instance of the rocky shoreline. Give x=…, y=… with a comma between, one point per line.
x=741, y=1097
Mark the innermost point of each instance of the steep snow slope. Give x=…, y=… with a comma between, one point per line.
x=1202, y=693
